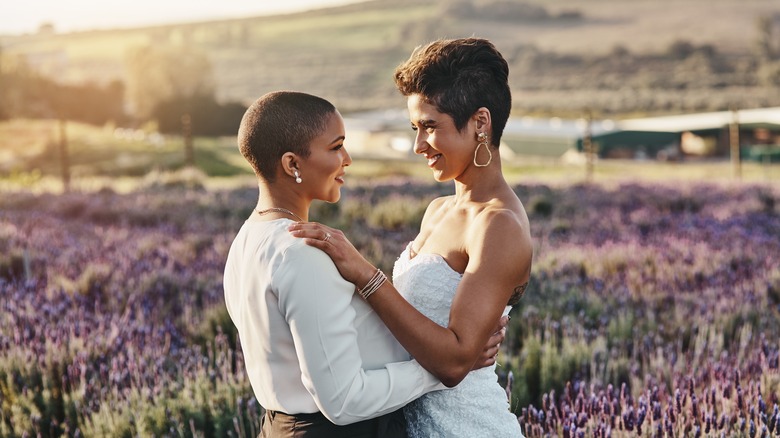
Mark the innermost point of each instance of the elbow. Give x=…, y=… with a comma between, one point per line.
x=451, y=378
x=450, y=382
x=451, y=372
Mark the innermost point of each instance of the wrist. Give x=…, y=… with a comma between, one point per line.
x=364, y=277
x=374, y=283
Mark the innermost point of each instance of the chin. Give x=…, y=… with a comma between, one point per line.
x=441, y=177
x=334, y=197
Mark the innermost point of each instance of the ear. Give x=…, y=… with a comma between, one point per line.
x=290, y=164
x=483, y=120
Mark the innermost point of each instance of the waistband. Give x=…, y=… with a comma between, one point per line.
x=392, y=425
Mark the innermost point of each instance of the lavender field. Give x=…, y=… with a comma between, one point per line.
x=653, y=310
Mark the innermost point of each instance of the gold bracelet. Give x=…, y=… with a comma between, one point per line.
x=373, y=285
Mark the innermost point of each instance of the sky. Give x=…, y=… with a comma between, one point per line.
x=25, y=16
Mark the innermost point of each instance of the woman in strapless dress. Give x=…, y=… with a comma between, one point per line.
x=472, y=257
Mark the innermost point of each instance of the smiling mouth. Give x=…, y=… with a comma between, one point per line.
x=340, y=178
x=432, y=160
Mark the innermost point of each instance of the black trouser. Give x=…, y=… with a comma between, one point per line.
x=281, y=425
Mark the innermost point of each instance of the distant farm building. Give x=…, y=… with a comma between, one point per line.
x=693, y=135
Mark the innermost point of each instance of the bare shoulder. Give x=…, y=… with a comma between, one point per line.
x=497, y=233
x=492, y=219
x=434, y=207
x=500, y=251
x=438, y=203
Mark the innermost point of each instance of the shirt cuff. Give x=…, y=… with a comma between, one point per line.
x=428, y=382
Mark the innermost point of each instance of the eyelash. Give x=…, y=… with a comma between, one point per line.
x=338, y=146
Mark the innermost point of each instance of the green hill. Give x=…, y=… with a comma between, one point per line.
x=614, y=56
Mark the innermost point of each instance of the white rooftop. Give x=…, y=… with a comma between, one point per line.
x=699, y=121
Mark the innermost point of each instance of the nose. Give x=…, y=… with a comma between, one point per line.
x=420, y=142
x=346, y=160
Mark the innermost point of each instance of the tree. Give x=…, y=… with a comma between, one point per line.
x=680, y=49
x=769, y=74
x=764, y=42
x=89, y=102
x=207, y=116
x=24, y=93
x=3, y=88
x=157, y=74
x=13, y=84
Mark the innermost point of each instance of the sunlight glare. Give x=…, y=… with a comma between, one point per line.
x=74, y=15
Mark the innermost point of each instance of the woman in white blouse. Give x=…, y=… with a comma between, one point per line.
x=318, y=358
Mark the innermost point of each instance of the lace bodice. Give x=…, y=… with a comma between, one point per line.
x=478, y=406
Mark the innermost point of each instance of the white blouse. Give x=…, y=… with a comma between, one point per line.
x=310, y=344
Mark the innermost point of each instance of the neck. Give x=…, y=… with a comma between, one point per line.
x=279, y=196
x=479, y=184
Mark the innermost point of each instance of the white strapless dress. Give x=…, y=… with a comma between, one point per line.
x=478, y=406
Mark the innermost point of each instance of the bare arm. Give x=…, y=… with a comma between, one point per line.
x=493, y=271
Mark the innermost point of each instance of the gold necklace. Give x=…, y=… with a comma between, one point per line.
x=279, y=210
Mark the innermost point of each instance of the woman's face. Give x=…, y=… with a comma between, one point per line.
x=449, y=151
x=323, y=170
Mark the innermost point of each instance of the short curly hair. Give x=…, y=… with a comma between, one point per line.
x=280, y=122
x=458, y=77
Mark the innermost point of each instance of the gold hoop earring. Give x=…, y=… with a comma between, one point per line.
x=297, y=176
x=483, y=141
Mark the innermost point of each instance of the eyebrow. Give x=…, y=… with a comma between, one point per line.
x=427, y=122
x=338, y=139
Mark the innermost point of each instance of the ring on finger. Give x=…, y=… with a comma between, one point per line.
x=327, y=237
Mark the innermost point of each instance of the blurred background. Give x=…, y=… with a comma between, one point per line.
x=644, y=143
x=122, y=90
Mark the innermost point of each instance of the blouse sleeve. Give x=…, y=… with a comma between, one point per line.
x=315, y=301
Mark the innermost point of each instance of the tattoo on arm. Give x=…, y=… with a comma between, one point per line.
x=518, y=293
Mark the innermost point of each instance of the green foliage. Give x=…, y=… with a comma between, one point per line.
x=773, y=287
x=55, y=406
x=680, y=50
x=769, y=74
x=530, y=374
x=540, y=206
x=560, y=227
x=326, y=212
x=620, y=331
x=208, y=117
x=768, y=201
x=12, y=265
x=215, y=322
x=640, y=303
x=186, y=177
x=396, y=212
x=93, y=279
x=300, y=51
x=159, y=73
x=550, y=360
x=26, y=93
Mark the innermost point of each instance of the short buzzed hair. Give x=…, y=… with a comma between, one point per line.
x=281, y=122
